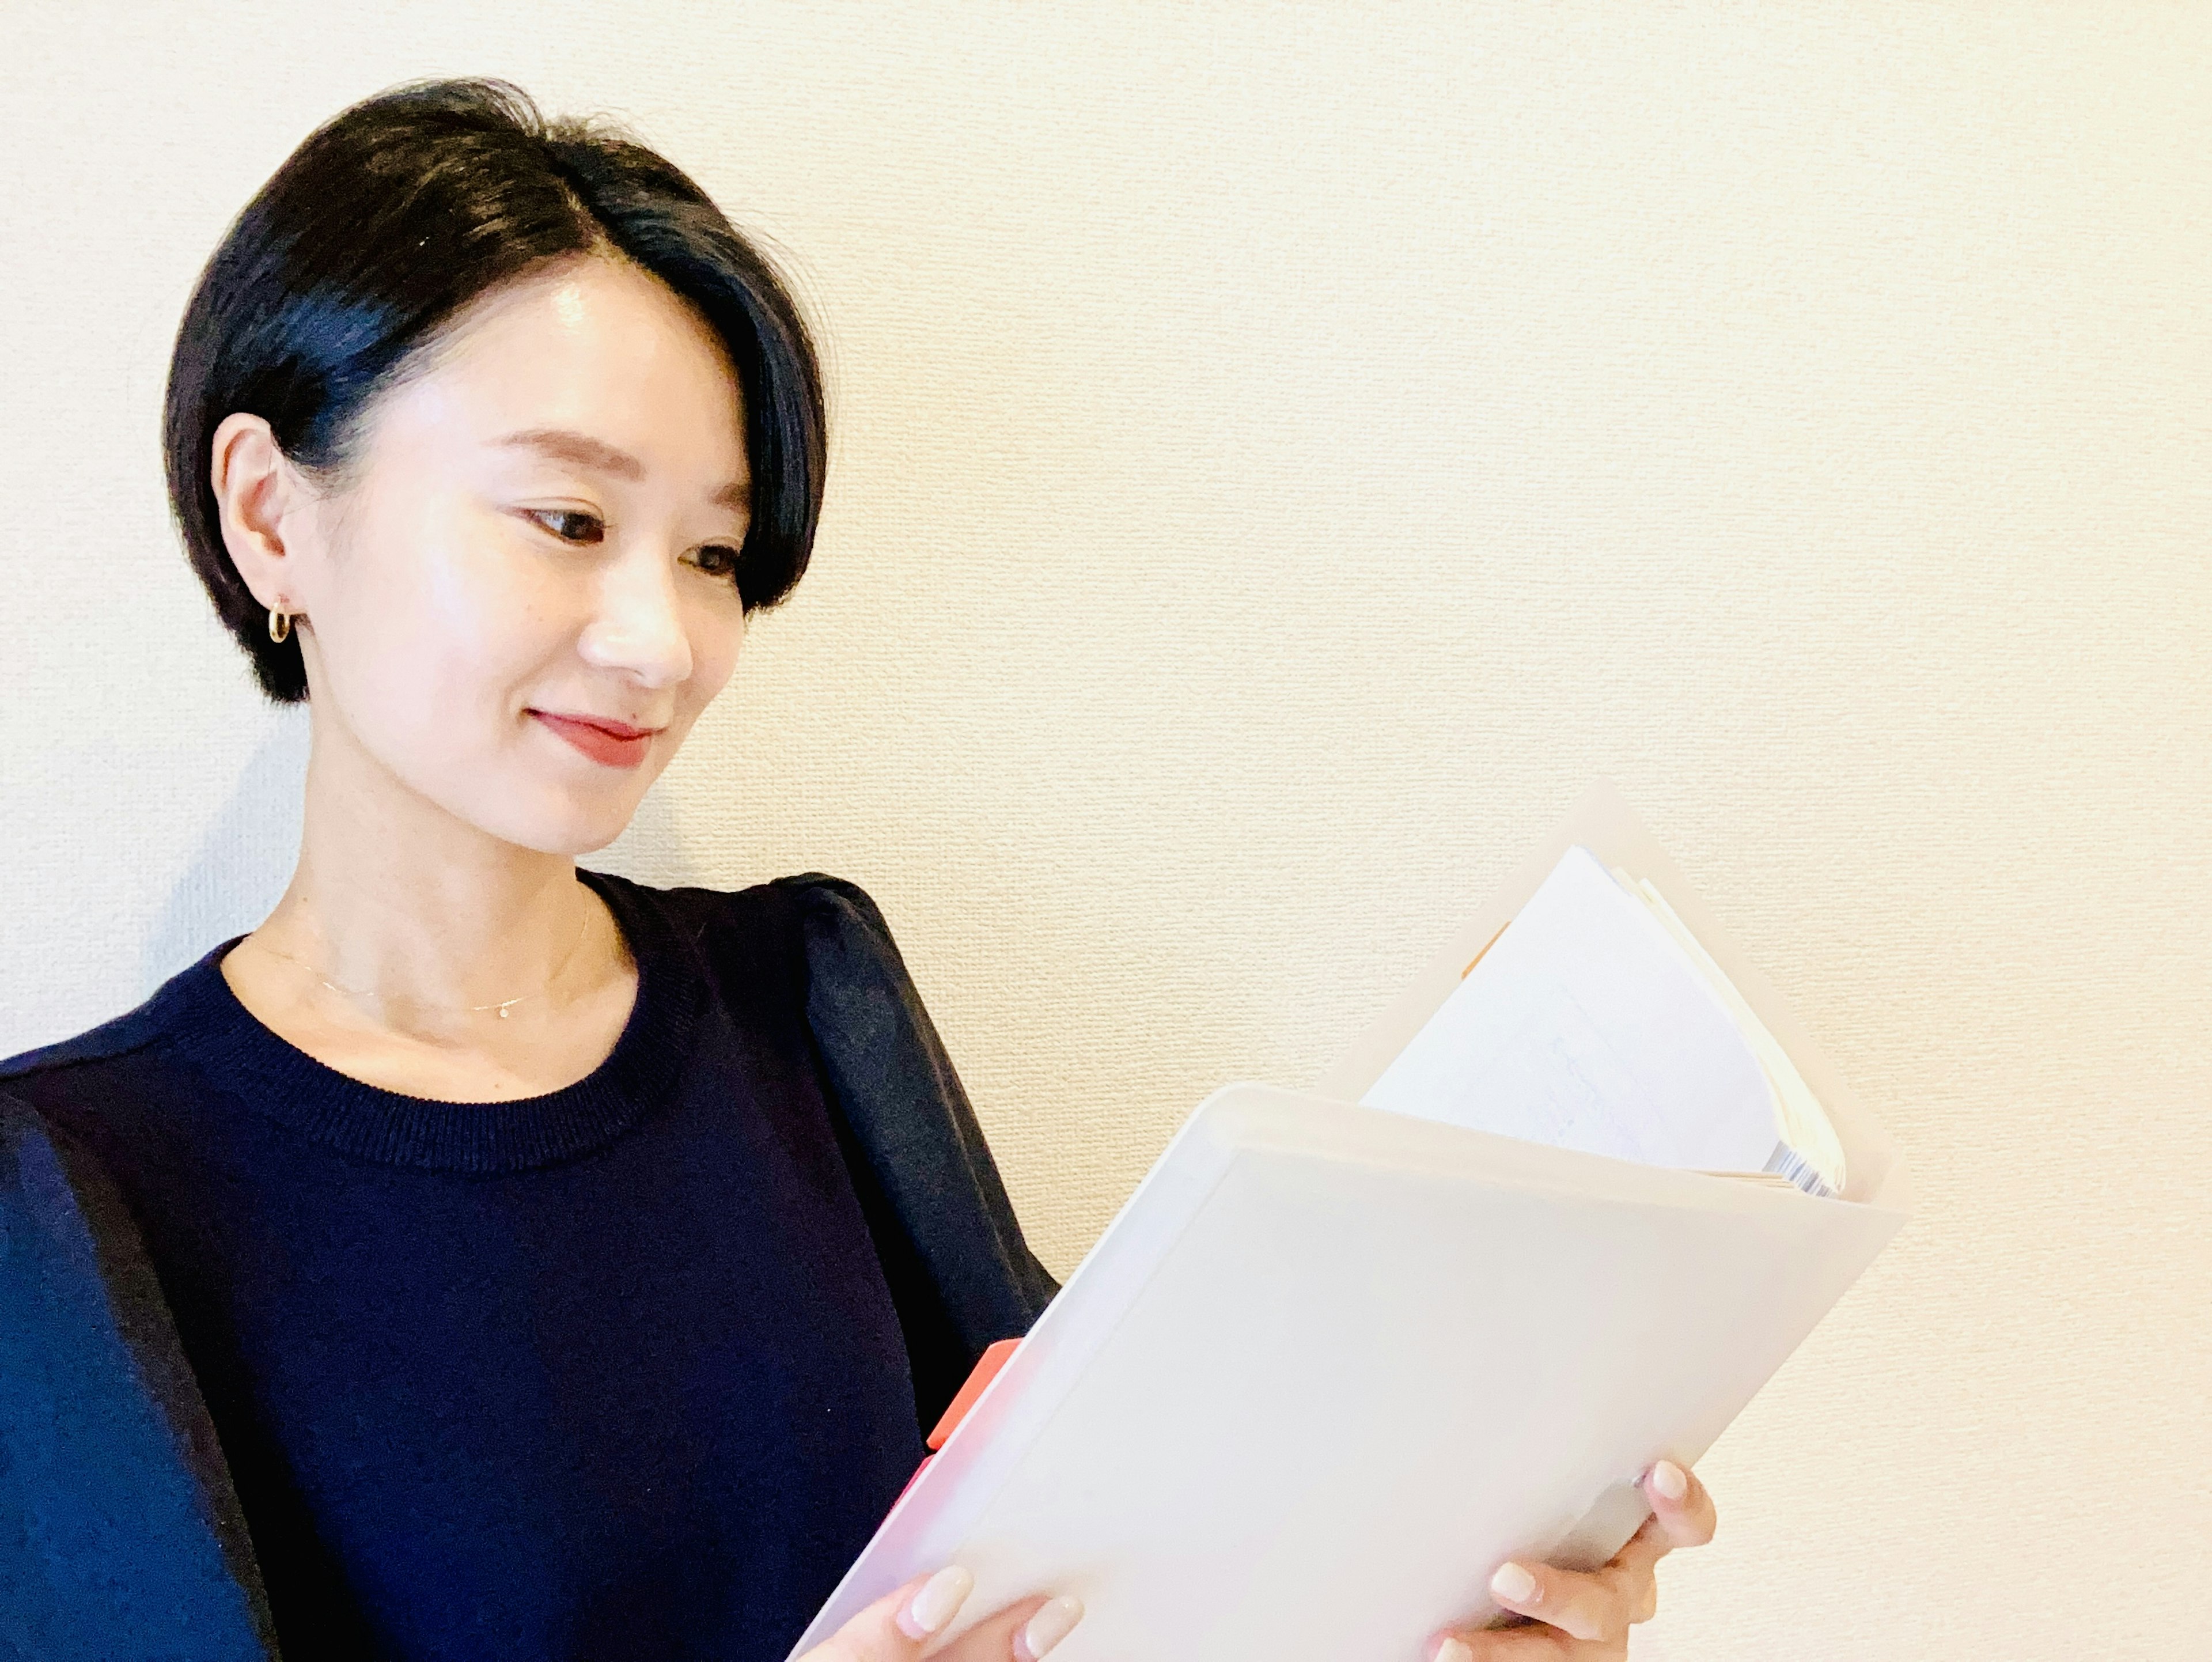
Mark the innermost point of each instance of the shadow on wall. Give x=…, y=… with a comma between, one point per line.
x=652, y=849
x=232, y=879
x=236, y=875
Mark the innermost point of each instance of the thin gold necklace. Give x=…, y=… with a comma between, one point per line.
x=503, y=1006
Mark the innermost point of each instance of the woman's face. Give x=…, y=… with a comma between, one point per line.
x=542, y=535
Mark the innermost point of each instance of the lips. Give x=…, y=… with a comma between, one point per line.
x=613, y=743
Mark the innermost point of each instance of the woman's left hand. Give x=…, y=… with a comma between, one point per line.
x=1584, y=1616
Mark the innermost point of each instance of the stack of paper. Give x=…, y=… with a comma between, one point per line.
x=1329, y=1366
x=1595, y=1021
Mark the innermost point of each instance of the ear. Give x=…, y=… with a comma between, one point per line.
x=260, y=498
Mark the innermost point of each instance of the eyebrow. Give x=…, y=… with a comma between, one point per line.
x=566, y=444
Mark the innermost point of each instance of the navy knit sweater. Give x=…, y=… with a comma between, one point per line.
x=631, y=1369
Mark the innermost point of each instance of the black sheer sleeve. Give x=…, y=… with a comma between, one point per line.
x=960, y=1272
x=120, y=1535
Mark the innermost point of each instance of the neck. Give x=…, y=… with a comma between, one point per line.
x=419, y=915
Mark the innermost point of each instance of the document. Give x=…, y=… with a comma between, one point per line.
x=1558, y=1213
x=1595, y=1022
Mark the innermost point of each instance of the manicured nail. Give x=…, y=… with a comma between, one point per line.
x=1454, y=1650
x=1670, y=1480
x=938, y=1601
x=1514, y=1585
x=1051, y=1624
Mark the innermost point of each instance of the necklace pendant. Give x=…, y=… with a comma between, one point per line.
x=502, y=1012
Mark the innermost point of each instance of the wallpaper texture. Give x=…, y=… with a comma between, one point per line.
x=1281, y=455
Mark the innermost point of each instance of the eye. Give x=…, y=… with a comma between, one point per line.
x=541, y=515
x=720, y=559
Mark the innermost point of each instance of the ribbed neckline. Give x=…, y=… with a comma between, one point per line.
x=275, y=1078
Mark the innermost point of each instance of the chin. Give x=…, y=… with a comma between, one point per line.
x=554, y=821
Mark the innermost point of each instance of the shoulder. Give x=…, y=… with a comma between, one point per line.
x=821, y=894
x=836, y=915
x=109, y=1416
x=823, y=903
x=55, y=1186
x=113, y=1082
x=825, y=939
x=117, y=1096
x=120, y=1037
x=856, y=979
x=895, y=1089
x=829, y=922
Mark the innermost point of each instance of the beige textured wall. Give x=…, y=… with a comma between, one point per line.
x=1281, y=454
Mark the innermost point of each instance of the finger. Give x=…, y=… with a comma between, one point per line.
x=1643, y=1550
x=1635, y=1565
x=896, y=1626
x=1590, y=1605
x=1532, y=1644
x=902, y=1625
x=1681, y=1504
x=1025, y=1631
x=1648, y=1605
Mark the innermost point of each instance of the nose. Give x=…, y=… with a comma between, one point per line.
x=638, y=626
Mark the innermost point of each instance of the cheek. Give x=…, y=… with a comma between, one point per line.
x=442, y=631
x=717, y=636
x=488, y=625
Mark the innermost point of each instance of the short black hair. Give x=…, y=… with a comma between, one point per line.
x=389, y=219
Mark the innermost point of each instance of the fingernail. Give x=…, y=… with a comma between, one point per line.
x=939, y=1600
x=1051, y=1624
x=1454, y=1650
x=1670, y=1480
x=1513, y=1583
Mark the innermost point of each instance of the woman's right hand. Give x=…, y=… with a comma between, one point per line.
x=900, y=1626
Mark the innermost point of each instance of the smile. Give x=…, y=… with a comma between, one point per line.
x=612, y=744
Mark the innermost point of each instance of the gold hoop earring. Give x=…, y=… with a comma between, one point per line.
x=280, y=624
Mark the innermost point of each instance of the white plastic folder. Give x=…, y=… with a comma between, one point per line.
x=1330, y=1364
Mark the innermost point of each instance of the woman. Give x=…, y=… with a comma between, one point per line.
x=527, y=1262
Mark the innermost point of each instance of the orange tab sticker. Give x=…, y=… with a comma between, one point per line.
x=986, y=1370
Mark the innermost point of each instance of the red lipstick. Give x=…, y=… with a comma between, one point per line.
x=615, y=743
